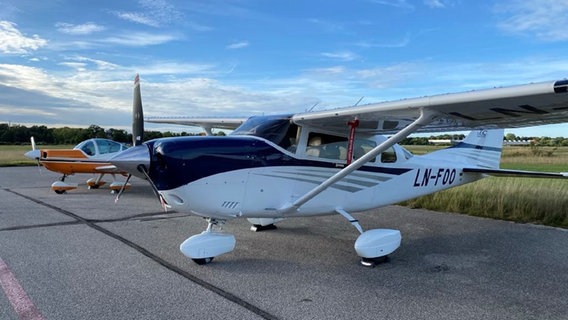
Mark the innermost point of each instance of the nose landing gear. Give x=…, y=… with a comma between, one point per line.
x=203, y=247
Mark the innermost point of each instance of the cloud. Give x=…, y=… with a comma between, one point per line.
x=436, y=4
x=138, y=39
x=403, y=42
x=327, y=26
x=545, y=19
x=340, y=55
x=138, y=17
x=403, y=4
x=12, y=41
x=79, y=29
x=238, y=45
x=153, y=13
x=81, y=63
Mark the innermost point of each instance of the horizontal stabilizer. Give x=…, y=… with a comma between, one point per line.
x=518, y=173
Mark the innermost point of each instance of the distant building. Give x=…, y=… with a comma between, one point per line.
x=516, y=142
x=444, y=141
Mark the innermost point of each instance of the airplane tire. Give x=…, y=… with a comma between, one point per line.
x=373, y=262
x=59, y=191
x=203, y=261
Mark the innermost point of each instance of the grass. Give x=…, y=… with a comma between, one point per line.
x=525, y=200
x=13, y=155
x=539, y=201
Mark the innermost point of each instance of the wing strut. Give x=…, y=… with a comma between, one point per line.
x=426, y=116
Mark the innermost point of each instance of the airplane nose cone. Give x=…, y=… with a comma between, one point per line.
x=131, y=159
x=32, y=154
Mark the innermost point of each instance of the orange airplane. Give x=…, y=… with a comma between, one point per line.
x=92, y=155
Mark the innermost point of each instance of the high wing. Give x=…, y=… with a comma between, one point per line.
x=517, y=106
x=206, y=123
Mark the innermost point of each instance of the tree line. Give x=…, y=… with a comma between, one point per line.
x=18, y=134
x=533, y=141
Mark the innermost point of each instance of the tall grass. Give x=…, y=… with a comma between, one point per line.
x=540, y=201
x=528, y=200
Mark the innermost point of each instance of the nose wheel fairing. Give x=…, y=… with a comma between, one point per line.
x=203, y=247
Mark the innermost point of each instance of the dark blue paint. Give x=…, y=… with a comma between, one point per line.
x=178, y=161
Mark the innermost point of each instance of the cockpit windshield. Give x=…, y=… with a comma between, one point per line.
x=278, y=129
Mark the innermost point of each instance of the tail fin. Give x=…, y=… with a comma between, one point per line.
x=137, y=114
x=480, y=149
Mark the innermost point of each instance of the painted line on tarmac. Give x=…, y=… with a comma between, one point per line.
x=206, y=285
x=19, y=299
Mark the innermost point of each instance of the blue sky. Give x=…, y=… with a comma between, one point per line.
x=71, y=62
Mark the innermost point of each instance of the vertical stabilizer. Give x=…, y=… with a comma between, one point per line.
x=480, y=149
x=137, y=114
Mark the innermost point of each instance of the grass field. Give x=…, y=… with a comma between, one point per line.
x=13, y=155
x=540, y=201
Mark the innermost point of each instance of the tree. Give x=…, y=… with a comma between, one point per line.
x=118, y=135
x=510, y=137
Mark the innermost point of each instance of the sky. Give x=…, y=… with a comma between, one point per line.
x=72, y=62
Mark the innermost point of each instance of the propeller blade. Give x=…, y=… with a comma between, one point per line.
x=142, y=169
x=137, y=114
x=122, y=188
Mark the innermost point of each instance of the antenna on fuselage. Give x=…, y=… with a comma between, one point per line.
x=312, y=108
x=357, y=103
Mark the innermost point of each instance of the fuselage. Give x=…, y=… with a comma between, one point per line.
x=228, y=177
x=86, y=157
x=266, y=166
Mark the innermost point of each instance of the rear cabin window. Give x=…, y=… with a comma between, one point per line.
x=107, y=146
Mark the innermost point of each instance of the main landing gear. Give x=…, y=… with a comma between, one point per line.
x=95, y=183
x=373, y=246
x=60, y=187
x=203, y=247
x=263, y=224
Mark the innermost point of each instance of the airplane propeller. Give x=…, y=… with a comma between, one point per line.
x=136, y=160
x=122, y=188
x=34, y=154
x=143, y=169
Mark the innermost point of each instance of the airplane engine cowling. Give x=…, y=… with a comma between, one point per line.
x=377, y=243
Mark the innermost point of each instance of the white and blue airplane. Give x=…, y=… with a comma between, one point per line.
x=335, y=161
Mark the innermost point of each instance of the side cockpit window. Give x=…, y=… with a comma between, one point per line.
x=327, y=146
